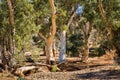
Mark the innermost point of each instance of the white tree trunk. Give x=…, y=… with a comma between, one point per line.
x=62, y=54
x=51, y=54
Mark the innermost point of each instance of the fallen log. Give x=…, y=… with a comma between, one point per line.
x=41, y=67
x=41, y=64
x=23, y=70
x=50, y=67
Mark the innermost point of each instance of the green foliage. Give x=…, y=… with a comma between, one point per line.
x=54, y=68
x=75, y=43
x=116, y=25
x=18, y=58
x=3, y=18
x=20, y=78
x=64, y=27
x=97, y=51
x=24, y=24
x=32, y=16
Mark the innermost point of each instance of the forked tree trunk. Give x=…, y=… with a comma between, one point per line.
x=49, y=42
x=86, y=31
x=49, y=49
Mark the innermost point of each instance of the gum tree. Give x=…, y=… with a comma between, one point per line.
x=49, y=41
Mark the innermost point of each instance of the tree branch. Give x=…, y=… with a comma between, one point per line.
x=71, y=19
x=107, y=24
x=42, y=36
x=101, y=9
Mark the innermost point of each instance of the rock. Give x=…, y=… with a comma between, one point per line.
x=27, y=54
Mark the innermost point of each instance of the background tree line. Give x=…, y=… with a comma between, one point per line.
x=97, y=27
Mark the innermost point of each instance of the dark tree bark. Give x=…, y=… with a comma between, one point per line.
x=8, y=41
x=11, y=26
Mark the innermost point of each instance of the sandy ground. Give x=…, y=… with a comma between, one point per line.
x=111, y=72
x=73, y=69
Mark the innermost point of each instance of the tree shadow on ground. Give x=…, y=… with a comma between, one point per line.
x=76, y=65
x=104, y=74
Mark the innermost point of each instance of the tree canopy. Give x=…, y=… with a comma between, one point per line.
x=34, y=16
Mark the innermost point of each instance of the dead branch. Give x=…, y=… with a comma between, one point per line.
x=42, y=36
x=71, y=19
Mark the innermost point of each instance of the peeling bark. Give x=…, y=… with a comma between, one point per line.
x=62, y=53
